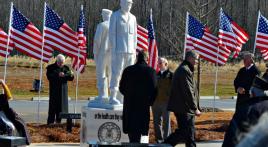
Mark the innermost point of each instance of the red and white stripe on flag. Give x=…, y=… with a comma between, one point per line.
x=59, y=36
x=262, y=36
x=142, y=43
x=231, y=35
x=199, y=38
x=27, y=38
x=152, y=47
x=207, y=49
x=78, y=64
x=3, y=43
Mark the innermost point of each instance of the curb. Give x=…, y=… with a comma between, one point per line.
x=44, y=98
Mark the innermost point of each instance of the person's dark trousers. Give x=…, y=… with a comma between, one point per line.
x=51, y=116
x=185, y=131
x=53, y=111
x=134, y=137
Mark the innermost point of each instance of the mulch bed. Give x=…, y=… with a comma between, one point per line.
x=205, y=129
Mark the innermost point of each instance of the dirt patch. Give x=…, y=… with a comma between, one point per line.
x=209, y=126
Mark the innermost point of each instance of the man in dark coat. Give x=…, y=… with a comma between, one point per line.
x=248, y=113
x=183, y=102
x=244, y=79
x=58, y=74
x=139, y=87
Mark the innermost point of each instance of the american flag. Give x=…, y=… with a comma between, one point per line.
x=27, y=38
x=142, y=43
x=231, y=35
x=204, y=42
x=59, y=36
x=79, y=63
x=3, y=43
x=153, y=51
x=262, y=36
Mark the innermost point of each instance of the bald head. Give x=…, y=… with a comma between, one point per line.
x=60, y=60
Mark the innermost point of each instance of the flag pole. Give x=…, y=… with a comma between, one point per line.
x=77, y=71
x=259, y=14
x=185, y=35
x=216, y=78
x=41, y=66
x=8, y=39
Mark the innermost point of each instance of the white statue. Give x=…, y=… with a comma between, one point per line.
x=123, y=43
x=102, y=56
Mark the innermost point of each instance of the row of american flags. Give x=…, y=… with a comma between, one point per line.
x=210, y=47
x=230, y=39
x=57, y=35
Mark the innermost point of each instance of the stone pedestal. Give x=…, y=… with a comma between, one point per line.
x=101, y=125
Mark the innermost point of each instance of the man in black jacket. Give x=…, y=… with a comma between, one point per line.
x=248, y=114
x=244, y=79
x=183, y=102
x=139, y=87
x=58, y=74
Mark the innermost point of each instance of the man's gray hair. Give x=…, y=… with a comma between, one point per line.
x=60, y=58
x=248, y=55
x=164, y=60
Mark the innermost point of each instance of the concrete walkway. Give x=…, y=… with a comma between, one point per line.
x=28, y=110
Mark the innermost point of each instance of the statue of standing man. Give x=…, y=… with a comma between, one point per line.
x=102, y=56
x=123, y=43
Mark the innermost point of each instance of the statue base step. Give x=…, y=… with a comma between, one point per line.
x=104, y=104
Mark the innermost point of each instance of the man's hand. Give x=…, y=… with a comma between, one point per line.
x=241, y=90
x=197, y=112
x=61, y=74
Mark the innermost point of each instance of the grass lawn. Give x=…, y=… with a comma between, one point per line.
x=21, y=72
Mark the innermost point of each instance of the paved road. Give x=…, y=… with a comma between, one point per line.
x=28, y=110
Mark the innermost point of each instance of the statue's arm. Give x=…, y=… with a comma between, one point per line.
x=112, y=33
x=135, y=34
x=97, y=41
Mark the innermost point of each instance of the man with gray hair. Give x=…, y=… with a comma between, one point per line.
x=58, y=74
x=248, y=114
x=244, y=78
x=161, y=117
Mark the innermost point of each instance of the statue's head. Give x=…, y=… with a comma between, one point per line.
x=106, y=14
x=126, y=5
